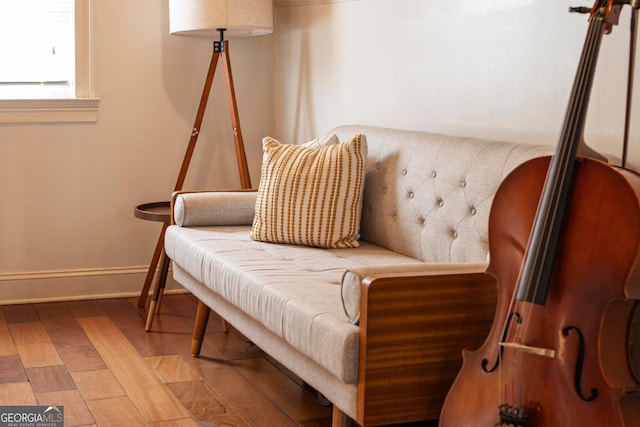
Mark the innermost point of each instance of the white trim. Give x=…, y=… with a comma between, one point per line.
x=84, y=55
x=70, y=285
x=128, y=294
x=80, y=272
x=76, y=110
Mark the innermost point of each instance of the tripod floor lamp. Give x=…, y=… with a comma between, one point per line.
x=211, y=19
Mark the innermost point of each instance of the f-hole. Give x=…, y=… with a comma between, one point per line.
x=485, y=362
x=634, y=342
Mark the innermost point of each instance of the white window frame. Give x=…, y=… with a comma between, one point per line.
x=81, y=109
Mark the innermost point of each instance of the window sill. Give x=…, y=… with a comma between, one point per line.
x=32, y=111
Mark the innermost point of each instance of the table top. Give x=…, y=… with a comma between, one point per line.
x=155, y=211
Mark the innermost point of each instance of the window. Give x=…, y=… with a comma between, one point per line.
x=37, y=48
x=45, y=73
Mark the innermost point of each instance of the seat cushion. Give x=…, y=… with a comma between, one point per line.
x=294, y=291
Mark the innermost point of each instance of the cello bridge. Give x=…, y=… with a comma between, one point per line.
x=546, y=352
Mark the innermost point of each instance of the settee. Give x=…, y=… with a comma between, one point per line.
x=378, y=329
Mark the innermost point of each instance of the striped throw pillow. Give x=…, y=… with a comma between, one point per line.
x=311, y=196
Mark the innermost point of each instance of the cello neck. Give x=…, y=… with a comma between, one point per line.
x=538, y=264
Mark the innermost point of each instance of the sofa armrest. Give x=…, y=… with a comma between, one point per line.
x=352, y=279
x=413, y=328
x=202, y=208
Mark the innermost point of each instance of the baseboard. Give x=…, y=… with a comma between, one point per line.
x=68, y=285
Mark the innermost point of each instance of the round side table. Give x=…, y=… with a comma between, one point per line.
x=156, y=211
x=159, y=212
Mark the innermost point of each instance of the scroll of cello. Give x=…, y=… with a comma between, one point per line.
x=564, y=241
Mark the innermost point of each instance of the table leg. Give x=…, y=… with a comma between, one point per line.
x=164, y=272
x=152, y=267
x=158, y=291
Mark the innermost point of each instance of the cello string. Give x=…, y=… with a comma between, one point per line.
x=566, y=153
x=568, y=145
x=630, y=74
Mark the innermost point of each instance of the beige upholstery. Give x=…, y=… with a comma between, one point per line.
x=301, y=306
x=426, y=205
x=428, y=196
x=221, y=208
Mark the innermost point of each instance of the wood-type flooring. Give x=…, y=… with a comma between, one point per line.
x=95, y=359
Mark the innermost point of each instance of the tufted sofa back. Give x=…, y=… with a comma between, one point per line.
x=428, y=196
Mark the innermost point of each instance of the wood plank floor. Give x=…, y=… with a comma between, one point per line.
x=94, y=358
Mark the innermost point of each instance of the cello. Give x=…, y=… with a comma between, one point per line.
x=564, y=245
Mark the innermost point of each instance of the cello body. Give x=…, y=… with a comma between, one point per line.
x=586, y=320
x=564, y=241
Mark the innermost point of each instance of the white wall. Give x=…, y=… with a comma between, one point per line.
x=68, y=192
x=501, y=69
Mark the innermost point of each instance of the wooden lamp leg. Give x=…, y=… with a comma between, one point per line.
x=152, y=267
x=183, y=170
x=220, y=47
x=243, y=169
x=198, y=121
x=158, y=292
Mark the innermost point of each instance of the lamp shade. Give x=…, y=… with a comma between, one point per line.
x=205, y=17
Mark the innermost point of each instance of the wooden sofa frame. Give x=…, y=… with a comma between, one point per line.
x=411, y=330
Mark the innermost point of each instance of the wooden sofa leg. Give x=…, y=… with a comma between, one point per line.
x=202, y=317
x=339, y=418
